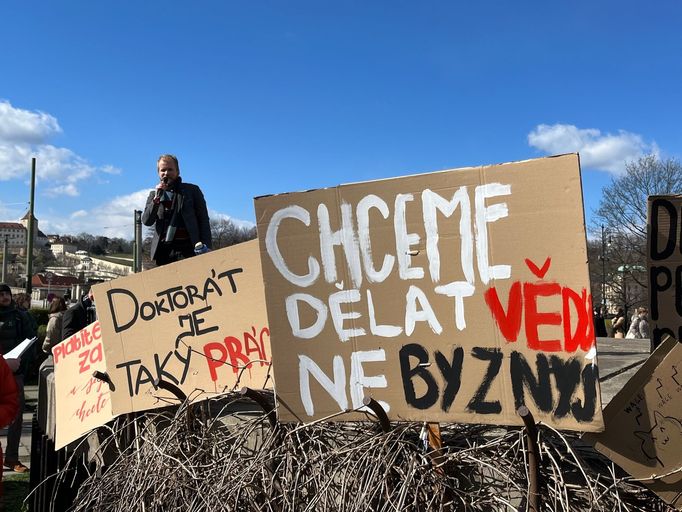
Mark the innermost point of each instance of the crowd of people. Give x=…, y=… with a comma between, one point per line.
x=16, y=325
x=636, y=328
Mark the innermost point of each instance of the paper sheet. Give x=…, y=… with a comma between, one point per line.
x=20, y=349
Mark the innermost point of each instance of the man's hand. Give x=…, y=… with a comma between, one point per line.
x=160, y=188
x=13, y=363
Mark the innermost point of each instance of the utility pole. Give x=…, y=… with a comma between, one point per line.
x=135, y=241
x=4, y=261
x=31, y=228
x=138, y=242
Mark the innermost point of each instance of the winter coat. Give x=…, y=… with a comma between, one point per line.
x=77, y=317
x=15, y=327
x=53, y=334
x=9, y=401
x=644, y=328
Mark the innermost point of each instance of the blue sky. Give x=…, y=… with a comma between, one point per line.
x=267, y=97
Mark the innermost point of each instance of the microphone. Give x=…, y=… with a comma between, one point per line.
x=159, y=191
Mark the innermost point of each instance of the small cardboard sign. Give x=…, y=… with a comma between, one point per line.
x=199, y=324
x=665, y=265
x=451, y=296
x=643, y=424
x=82, y=401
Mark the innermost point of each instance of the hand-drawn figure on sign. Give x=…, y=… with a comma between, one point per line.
x=662, y=440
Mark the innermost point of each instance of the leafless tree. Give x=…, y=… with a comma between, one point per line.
x=622, y=214
x=225, y=233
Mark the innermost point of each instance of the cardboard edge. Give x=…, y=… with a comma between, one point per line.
x=413, y=174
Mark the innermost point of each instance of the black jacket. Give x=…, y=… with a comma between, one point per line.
x=15, y=326
x=77, y=317
x=194, y=216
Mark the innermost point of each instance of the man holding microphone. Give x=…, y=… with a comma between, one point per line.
x=177, y=210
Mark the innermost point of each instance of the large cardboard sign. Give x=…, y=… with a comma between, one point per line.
x=82, y=402
x=665, y=267
x=199, y=324
x=452, y=296
x=643, y=433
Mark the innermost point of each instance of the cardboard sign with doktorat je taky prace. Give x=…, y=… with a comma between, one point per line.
x=457, y=295
x=199, y=324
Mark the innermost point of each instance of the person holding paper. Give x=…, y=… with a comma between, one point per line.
x=9, y=401
x=15, y=326
x=177, y=210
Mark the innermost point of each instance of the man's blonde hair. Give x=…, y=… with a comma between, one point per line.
x=168, y=156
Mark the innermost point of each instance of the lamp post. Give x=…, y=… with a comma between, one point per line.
x=624, y=270
x=605, y=241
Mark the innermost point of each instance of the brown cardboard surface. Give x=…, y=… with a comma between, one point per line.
x=199, y=324
x=450, y=296
x=82, y=402
x=665, y=263
x=643, y=433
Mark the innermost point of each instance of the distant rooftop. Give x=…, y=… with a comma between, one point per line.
x=11, y=225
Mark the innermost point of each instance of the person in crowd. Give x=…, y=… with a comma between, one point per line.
x=53, y=334
x=9, y=400
x=644, y=324
x=599, y=323
x=78, y=316
x=15, y=326
x=178, y=212
x=633, y=330
x=23, y=302
x=619, y=324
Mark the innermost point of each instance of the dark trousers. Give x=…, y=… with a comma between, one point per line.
x=14, y=429
x=173, y=251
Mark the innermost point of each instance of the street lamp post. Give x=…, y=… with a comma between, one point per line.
x=624, y=270
x=604, y=243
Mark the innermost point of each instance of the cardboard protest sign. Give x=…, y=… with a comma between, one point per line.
x=451, y=296
x=665, y=267
x=199, y=324
x=643, y=424
x=82, y=402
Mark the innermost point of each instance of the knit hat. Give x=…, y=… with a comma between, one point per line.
x=5, y=288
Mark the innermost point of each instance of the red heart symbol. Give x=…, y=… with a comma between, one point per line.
x=540, y=272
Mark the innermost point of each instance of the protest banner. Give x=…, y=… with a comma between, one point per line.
x=665, y=267
x=451, y=296
x=199, y=324
x=81, y=401
x=643, y=424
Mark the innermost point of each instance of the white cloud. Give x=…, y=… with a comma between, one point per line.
x=113, y=219
x=605, y=152
x=23, y=126
x=110, y=169
x=212, y=214
x=24, y=135
x=63, y=190
x=6, y=212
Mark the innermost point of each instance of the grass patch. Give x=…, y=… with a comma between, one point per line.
x=15, y=487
